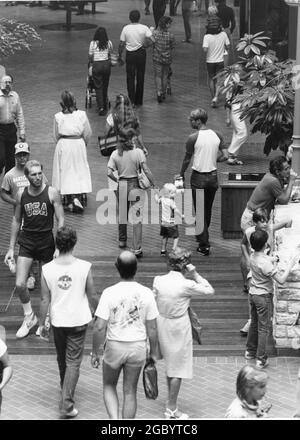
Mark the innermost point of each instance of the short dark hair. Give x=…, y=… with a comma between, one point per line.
x=65, y=239
x=126, y=268
x=260, y=214
x=258, y=239
x=276, y=165
x=134, y=16
x=199, y=114
x=164, y=21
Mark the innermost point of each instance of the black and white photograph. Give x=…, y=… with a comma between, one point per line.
x=149, y=213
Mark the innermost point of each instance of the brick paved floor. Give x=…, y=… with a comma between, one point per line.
x=59, y=63
x=33, y=392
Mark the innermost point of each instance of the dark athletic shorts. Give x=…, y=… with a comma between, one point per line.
x=39, y=246
x=214, y=68
x=169, y=232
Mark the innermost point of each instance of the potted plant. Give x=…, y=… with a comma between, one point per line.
x=264, y=88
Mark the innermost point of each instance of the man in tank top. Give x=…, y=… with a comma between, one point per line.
x=35, y=207
x=207, y=148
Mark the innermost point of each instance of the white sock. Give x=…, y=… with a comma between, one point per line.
x=27, y=308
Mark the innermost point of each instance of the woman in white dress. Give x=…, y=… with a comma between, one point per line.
x=71, y=173
x=173, y=293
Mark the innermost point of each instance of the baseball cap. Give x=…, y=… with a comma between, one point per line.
x=22, y=147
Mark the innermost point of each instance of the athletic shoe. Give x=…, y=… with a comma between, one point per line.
x=30, y=283
x=203, y=251
x=261, y=364
x=248, y=355
x=29, y=322
x=138, y=253
x=244, y=331
x=163, y=253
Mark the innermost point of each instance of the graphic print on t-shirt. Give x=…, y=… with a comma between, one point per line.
x=127, y=312
x=35, y=208
x=64, y=282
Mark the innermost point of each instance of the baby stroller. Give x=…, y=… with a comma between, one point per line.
x=90, y=89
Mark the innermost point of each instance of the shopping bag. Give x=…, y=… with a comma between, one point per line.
x=150, y=379
x=196, y=326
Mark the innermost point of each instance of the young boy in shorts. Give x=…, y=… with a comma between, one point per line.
x=168, y=228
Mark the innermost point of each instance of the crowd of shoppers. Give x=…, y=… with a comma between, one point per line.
x=128, y=314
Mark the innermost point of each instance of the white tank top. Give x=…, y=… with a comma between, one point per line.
x=69, y=305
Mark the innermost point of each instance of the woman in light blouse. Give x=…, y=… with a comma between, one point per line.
x=99, y=56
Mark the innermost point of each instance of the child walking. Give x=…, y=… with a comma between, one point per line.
x=264, y=271
x=168, y=227
x=250, y=389
x=261, y=221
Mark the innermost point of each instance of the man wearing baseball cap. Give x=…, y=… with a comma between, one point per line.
x=15, y=178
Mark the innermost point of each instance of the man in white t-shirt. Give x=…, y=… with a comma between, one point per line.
x=126, y=317
x=135, y=37
x=215, y=45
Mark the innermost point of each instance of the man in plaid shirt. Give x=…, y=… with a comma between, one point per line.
x=163, y=44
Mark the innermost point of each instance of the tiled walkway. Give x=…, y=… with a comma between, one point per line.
x=34, y=390
x=40, y=77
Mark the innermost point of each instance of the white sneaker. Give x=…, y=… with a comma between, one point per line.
x=30, y=283
x=29, y=322
x=261, y=364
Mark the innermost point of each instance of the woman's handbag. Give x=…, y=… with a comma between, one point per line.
x=196, y=326
x=150, y=379
x=108, y=143
x=144, y=182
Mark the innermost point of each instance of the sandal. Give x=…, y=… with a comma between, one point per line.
x=169, y=414
x=234, y=161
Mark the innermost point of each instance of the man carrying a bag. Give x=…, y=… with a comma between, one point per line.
x=125, y=318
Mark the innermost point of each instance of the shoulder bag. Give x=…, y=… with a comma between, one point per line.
x=144, y=182
x=108, y=143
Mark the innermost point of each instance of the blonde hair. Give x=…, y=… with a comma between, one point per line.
x=212, y=10
x=248, y=377
x=168, y=188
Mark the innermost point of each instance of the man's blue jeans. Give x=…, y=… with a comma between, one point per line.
x=260, y=306
x=209, y=183
x=69, y=344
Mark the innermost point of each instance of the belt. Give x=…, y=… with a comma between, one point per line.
x=64, y=136
x=208, y=172
x=136, y=50
x=128, y=178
